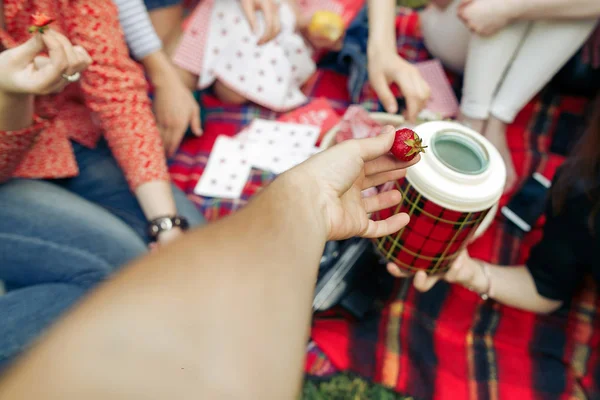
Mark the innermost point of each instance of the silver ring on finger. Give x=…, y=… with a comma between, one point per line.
x=72, y=78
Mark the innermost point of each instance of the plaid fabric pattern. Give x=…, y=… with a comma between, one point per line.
x=447, y=343
x=434, y=236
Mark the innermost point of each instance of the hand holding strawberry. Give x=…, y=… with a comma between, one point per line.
x=339, y=177
x=407, y=144
x=25, y=71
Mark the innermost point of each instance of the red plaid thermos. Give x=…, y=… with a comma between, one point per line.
x=451, y=196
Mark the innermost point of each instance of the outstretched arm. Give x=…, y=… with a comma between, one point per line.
x=224, y=312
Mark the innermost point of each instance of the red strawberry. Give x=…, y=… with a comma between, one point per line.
x=407, y=144
x=39, y=22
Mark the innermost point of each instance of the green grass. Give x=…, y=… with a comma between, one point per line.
x=413, y=3
x=347, y=387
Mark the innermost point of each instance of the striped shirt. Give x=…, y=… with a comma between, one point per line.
x=139, y=32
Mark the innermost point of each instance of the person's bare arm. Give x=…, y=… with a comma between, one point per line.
x=227, y=320
x=224, y=312
x=382, y=30
x=513, y=286
x=16, y=111
x=550, y=9
x=175, y=107
x=167, y=21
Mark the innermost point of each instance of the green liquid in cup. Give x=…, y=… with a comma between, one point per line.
x=460, y=153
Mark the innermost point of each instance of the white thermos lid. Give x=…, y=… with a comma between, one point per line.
x=461, y=170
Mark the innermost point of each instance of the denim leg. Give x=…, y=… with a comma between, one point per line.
x=54, y=247
x=101, y=181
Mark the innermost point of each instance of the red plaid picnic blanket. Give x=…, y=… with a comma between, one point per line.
x=447, y=343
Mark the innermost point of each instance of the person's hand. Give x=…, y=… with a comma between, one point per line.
x=176, y=109
x=464, y=271
x=270, y=11
x=25, y=71
x=339, y=175
x=388, y=67
x=485, y=17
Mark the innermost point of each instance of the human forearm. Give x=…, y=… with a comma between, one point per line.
x=17, y=131
x=167, y=21
x=223, y=313
x=16, y=111
x=382, y=31
x=515, y=287
x=159, y=68
x=549, y=9
x=156, y=199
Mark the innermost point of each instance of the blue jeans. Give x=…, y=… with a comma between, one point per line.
x=59, y=239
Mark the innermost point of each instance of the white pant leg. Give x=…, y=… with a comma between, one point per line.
x=546, y=49
x=488, y=59
x=446, y=36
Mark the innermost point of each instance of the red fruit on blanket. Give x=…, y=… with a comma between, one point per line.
x=407, y=144
x=39, y=22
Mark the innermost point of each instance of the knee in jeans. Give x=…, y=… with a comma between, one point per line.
x=101, y=267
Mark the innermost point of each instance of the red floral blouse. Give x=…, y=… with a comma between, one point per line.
x=110, y=100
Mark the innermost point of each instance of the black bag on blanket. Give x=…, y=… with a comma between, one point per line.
x=349, y=276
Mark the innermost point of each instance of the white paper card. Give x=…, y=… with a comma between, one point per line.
x=295, y=137
x=227, y=170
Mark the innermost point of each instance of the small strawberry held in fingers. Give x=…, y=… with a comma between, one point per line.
x=407, y=144
x=39, y=22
